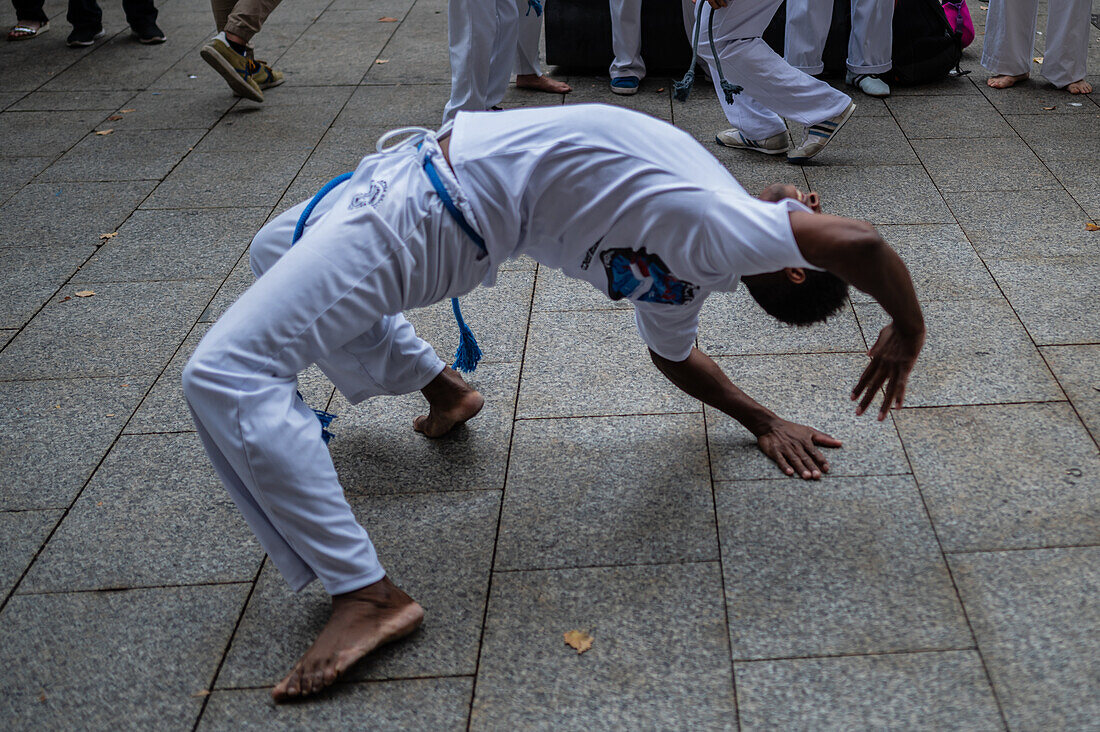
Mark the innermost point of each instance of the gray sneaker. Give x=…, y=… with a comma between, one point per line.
x=870, y=84
x=819, y=135
x=773, y=145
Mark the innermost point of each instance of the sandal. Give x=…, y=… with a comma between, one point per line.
x=23, y=30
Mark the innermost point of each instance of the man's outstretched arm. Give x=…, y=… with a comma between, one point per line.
x=792, y=446
x=854, y=251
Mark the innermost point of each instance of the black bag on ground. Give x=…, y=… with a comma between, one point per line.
x=926, y=47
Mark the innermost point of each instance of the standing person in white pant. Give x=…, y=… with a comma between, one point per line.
x=627, y=69
x=1010, y=43
x=625, y=202
x=773, y=89
x=870, y=44
x=482, y=37
x=528, y=69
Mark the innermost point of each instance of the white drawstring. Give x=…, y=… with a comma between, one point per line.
x=415, y=135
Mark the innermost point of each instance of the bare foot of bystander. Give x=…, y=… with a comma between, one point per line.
x=1003, y=81
x=542, y=83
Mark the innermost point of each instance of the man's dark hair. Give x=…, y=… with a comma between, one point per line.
x=819, y=296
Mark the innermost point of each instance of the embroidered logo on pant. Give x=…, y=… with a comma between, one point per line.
x=372, y=197
x=643, y=277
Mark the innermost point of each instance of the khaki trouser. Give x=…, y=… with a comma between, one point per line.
x=242, y=18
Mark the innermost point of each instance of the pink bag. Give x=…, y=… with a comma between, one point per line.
x=958, y=15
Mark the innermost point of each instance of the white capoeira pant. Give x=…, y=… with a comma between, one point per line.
x=482, y=38
x=870, y=44
x=773, y=89
x=377, y=244
x=527, y=40
x=626, y=39
x=1010, y=38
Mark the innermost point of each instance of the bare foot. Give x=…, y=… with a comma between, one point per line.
x=1079, y=87
x=542, y=83
x=361, y=621
x=1003, y=81
x=451, y=402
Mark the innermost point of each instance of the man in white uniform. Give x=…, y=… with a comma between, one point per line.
x=773, y=89
x=870, y=44
x=626, y=202
x=482, y=39
x=1010, y=43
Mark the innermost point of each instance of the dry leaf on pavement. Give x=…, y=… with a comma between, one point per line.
x=1091, y=227
x=110, y=235
x=578, y=639
x=84, y=293
x=387, y=20
x=103, y=132
x=125, y=111
x=382, y=61
x=114, y=118
x=204, y=692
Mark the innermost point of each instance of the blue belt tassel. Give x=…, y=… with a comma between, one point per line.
x=536, y=6
x=468, y=353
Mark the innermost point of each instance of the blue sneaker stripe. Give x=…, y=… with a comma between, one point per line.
x=819, y=133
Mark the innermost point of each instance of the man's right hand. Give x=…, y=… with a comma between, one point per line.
x=793, y=447
x=892, y=359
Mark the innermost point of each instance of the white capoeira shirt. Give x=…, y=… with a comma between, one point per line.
x=621, y=200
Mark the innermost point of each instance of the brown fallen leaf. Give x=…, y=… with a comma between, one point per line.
x=387, y=20
x=1091, y=227
x=84, y=293
x=660, y=90
x=66, y=299
x=101, y=133
x=381, y=61
x=579, y=640
x=1049, y=109
x=110, y=415
x=204, y=692
x=114, y=118
x=109, y=235
x=125, y=111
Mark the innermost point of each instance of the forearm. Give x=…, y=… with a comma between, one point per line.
x=700, y=377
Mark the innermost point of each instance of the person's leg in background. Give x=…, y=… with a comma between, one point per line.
x=142, y=17
x=806, y=31
x=1009, y=41
x=503, y=55
x=528, y=69
x=86, y=19
x=628, y=68
x=870, y=46
x=473, y=29
x=30, y=20
x=1067, y=47
x=230, y=52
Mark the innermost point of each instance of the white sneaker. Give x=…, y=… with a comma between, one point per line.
x=870, y=84
x=819, y=135
x=773, y=145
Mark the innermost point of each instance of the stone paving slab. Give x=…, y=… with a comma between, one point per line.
x=845, y=566
x=1005, y=476
x=886, y=194
x=140, y=538
x=83, y=415
x=29, y=276
x=22, y=534
x=78, y=212
x=17, y=172
x=986, y=164
x=1022, y=224
x=437, y=547
x=1054, y=298
x=1038, y=624
x=658, y=660
x=94, y=660
x=1077, y=369
x=108, y=333
x=213, y=179
x=609, y=490
x=123, y=155
x=976, y=353
x=811, y=390
x=376, y=450
x=607, y=373
x=892, y=692
x=431, y=705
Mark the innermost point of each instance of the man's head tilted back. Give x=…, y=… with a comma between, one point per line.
x=797, y=296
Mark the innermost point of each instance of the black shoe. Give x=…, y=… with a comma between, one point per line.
x=81, y=37
x=150, y=34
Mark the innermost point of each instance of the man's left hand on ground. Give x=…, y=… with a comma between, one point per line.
x=793, y=447
x=892, y=359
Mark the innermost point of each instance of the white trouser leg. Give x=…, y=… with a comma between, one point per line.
x=527, y=45
x=871, y=42
x=1067, y=46
x=772, y=87
x=481, y=35
x=626, y=39
x=1010, y=36
x=688, y=8
x=807, y=29
x=503, y=57
x=352, y=267
x=388, y=358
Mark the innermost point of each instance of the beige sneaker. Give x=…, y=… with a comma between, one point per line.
x=819, y=135
x=239, y=71
x=773, y=145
